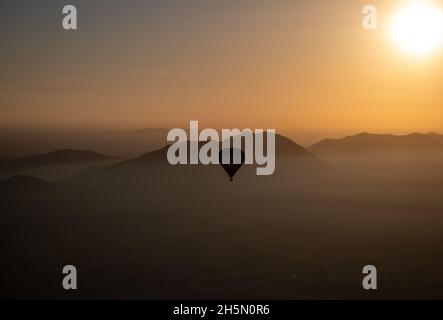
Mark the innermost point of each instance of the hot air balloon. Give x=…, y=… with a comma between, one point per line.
x=231, y=161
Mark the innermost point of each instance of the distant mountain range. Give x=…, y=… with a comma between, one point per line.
x=436, y=136
x=284, y=147
x=152, y=169
x=60, y=164
x=66, y=156
x=56, y=158
x=367, y=142
x=53, y=165
x=21, y=183
x=123, y=143
x=15, y=143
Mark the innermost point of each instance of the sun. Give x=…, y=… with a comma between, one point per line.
x=417, y=28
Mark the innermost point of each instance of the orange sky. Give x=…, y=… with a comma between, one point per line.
x=305, y=68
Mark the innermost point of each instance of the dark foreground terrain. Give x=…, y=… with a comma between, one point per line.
x=144, y=229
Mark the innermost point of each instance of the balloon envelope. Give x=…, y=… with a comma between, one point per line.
x=231, y=160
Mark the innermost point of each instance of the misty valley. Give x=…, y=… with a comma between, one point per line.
x=131, y=226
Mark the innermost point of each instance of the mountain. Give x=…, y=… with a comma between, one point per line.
x=152, y=169
x=55, y=158
x=53, y=165
x=62, y=157
x=288, y=148
x=284, y=147
x=436, y=136
x=367, y=142
x=20, y=142
x=23, y=184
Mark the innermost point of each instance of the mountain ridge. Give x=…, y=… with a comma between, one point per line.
x=23, y=183
x=365, y=141
x=283, y=147
x=57, y=157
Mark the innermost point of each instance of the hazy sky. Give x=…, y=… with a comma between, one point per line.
x=301, y=66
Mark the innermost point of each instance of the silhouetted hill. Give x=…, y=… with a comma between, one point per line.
x=21, y=142
x=53, y=165
x=24, y=184
x=56, y=158
x=436, y=136
x=284, y=147
x=366, y=142
x=150, y=157
x=62, y=157
x=152, y=169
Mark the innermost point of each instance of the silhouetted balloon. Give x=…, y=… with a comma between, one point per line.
x=228, y=165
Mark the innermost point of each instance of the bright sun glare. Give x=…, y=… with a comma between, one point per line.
x=417, y=28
